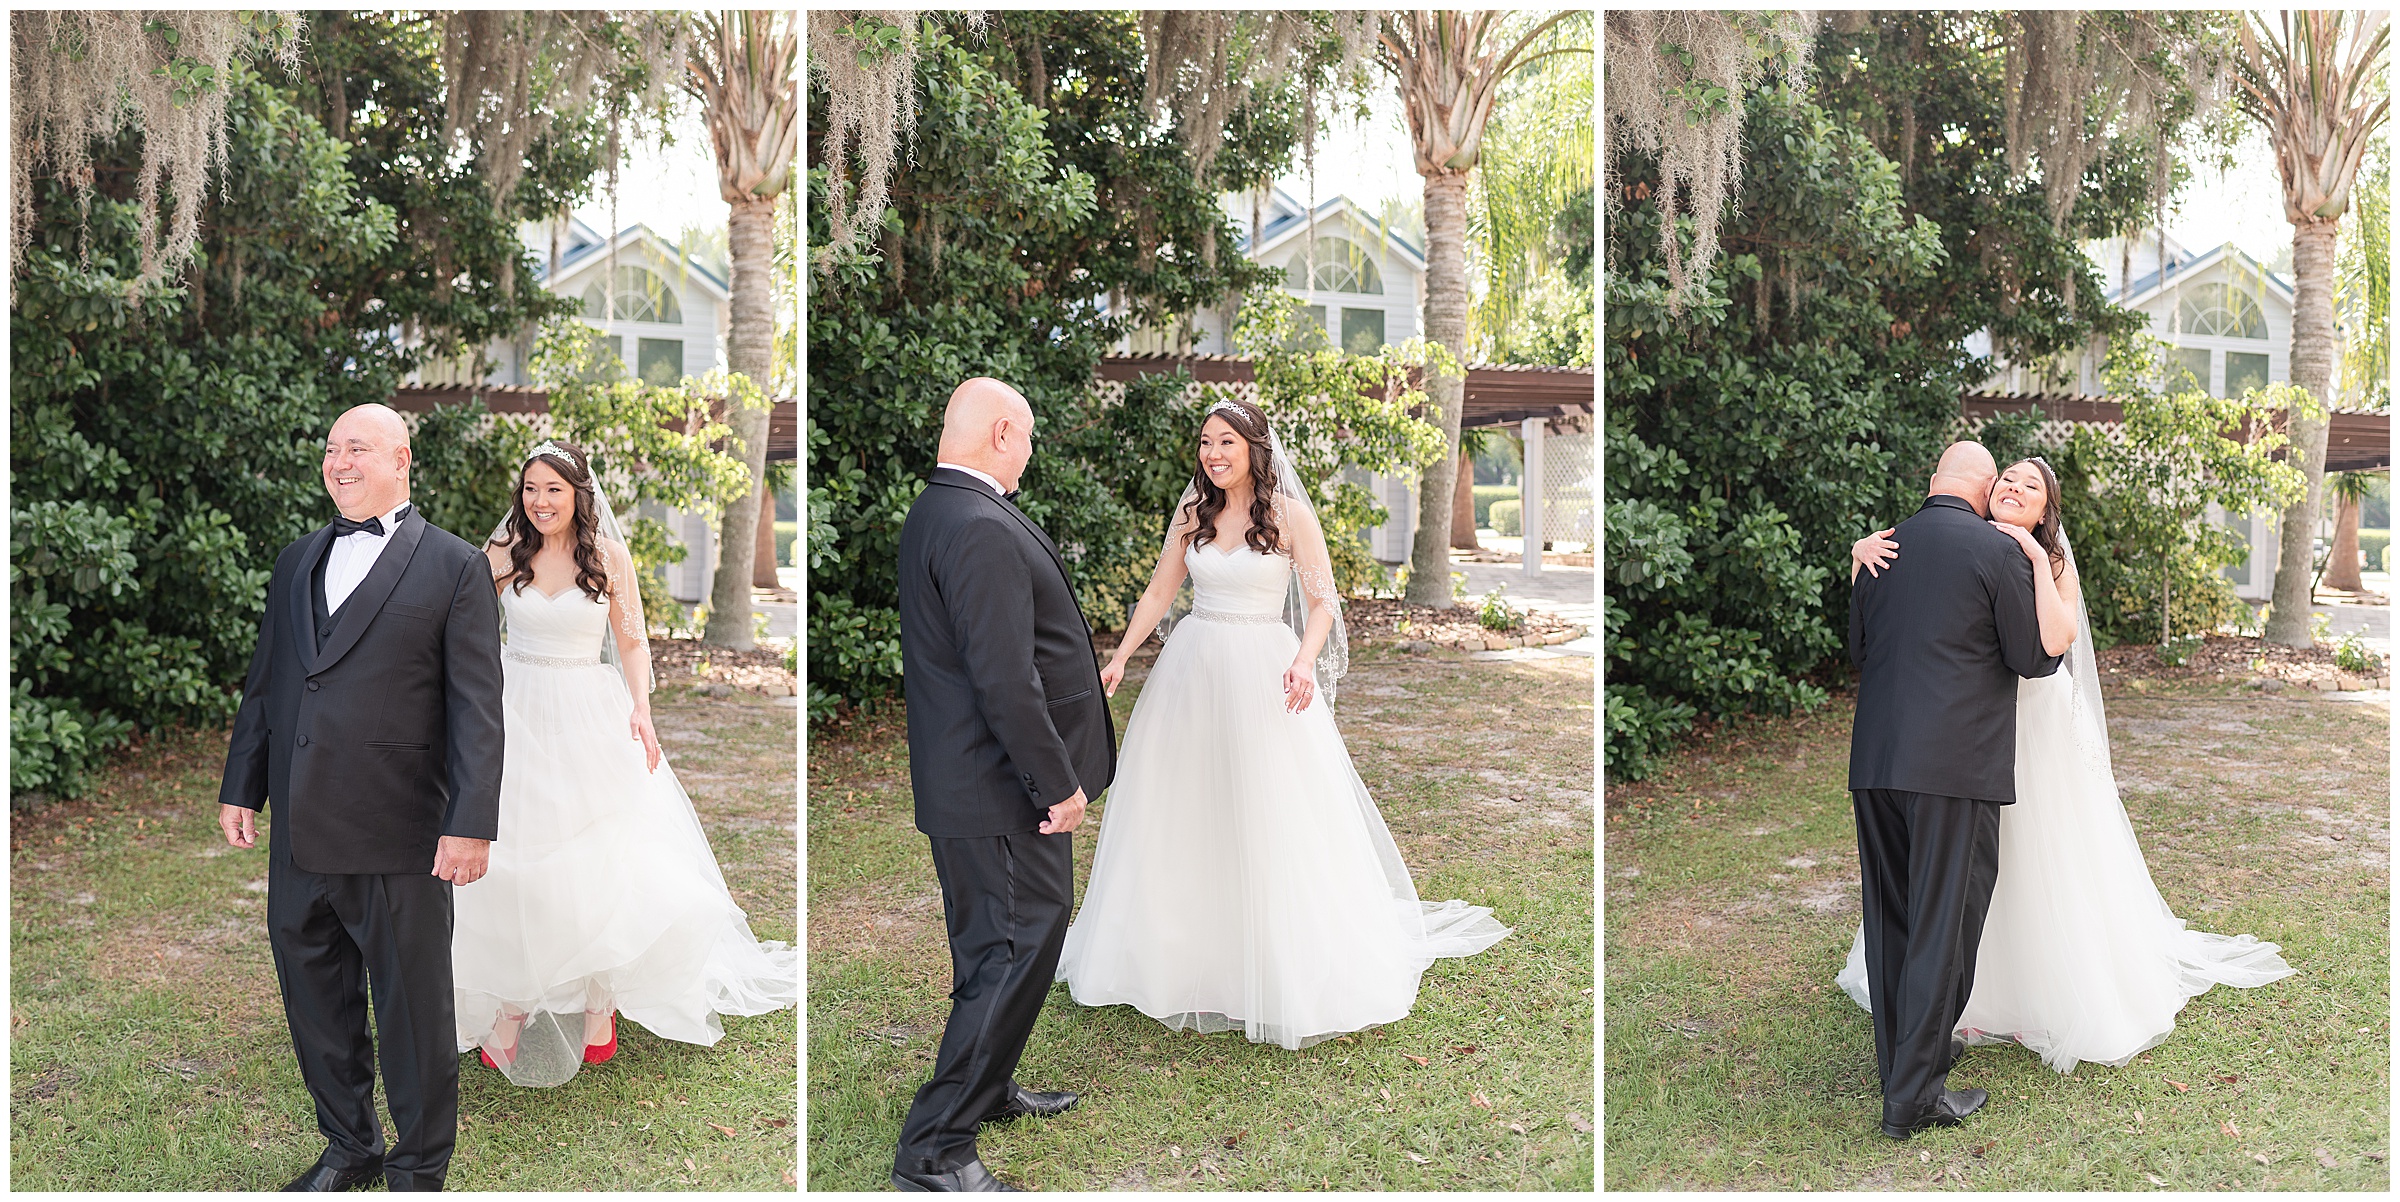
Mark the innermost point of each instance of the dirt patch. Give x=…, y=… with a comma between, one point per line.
x=688, y=664
x=876, y=925
x=46, y=1086
x=230, y=951
x=2227, y=657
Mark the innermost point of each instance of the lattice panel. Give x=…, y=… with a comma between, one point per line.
x=1567, y=478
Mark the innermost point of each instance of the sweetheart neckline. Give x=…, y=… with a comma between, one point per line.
x=537, y=591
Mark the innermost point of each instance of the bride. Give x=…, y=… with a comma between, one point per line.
x=1244, y=879
x=2081, y=960
x=603, y=896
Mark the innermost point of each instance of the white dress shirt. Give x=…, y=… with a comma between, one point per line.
x=983, y=476
x=353, y=556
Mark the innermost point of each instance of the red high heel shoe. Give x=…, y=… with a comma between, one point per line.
x=598, y=1053
x=490, y=1063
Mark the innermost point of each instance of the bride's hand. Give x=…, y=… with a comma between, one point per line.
x=1875, y=552
x=1299, y=686
x=647, y=735
x=1112, y=673
x=2033, y=550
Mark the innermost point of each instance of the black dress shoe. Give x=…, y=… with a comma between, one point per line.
x=968, y=1178
x=1947, y=1111
x=1021, y=1101
x=323, y=1178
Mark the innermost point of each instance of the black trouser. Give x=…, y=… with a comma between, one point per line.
x=334, y=937
x=1926, y=868
x=1007, y=899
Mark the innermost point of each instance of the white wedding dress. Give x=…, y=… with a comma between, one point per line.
x=602, y=892
x=1244, y=879
x=2081, y=960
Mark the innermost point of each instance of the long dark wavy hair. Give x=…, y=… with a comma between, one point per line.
x=1209, y=501
x=524, y=541
x=2045, y=531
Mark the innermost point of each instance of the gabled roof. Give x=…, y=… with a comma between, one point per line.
x=1288, y=218
x=580, y=245
x=2182, y=265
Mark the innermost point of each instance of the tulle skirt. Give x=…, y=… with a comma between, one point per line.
x=1244, y=879
x=2081, y=959
x=602, y=893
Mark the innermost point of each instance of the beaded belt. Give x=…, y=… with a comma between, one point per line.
x=1210, y=615
x=549, y=661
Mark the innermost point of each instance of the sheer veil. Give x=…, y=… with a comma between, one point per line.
x=1312, y=584
x=624, y=591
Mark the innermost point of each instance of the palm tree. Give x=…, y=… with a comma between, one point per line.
x=2341, y=565
x=1449, y=66
x=744, y=71
x=2315, y=81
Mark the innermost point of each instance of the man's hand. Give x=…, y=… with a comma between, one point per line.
x=1065, y=816
x=240, y=824
x=462, y=861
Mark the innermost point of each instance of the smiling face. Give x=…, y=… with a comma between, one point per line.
x=366, y=462
x=1224, y=453
x=2022, y=496
x=548, y=499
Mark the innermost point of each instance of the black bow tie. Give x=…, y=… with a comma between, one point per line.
x=1010, y=497
x=344, y=527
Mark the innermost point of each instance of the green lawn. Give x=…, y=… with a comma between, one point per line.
x=147, y=1048
x=1733, y=1062
x=1483, y=771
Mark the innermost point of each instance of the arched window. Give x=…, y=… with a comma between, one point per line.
x=641, y=296
x=2221, y=311
x=1336, y=265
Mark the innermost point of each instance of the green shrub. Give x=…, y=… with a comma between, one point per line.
x=1507, y=518
x=1486, y=495
x=1497, y=614
x=2351, y=655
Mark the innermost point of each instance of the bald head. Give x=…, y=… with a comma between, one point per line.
x=1966, y=472
x=989, y=427
x=366, y=462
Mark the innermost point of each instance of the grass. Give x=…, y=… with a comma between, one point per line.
x=1733, y=1062
x=1482, y=770
x=147, y=1047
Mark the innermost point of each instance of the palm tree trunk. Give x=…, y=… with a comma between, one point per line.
x=2341, y=571
x=1462, y=505
x=750, y=350
x=1445, y=395
x=2312, y=369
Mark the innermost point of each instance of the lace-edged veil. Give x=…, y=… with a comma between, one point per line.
x=2083, y=659
x=1312, y=566
x=625, y=593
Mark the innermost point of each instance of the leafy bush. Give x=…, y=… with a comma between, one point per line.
x=1508, y=518
x=2351, y=655
x=1497, y=614
x=1751, y=438
x=1488, y=495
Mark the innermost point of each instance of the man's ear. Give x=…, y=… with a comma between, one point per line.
x=404, y=456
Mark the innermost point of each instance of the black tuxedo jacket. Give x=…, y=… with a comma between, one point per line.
x=1005, y=713
x=388, y=737
x=1940, y=638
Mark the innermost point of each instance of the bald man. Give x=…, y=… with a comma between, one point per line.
x=371, y=722
x=1008, y=737
x=1940, y=640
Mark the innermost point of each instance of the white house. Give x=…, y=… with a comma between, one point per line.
x=660, y=311
x=1359, y=281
